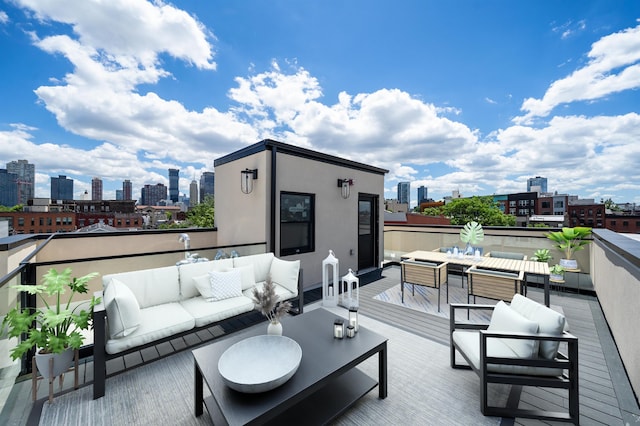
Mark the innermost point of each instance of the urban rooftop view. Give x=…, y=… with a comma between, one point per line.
x=321, y=212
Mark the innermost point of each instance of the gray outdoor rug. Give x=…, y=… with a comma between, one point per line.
x=423, y=389
x=425, y=299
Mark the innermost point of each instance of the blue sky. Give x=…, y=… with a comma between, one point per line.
x=475, y=96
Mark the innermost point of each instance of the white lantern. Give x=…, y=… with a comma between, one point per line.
x=350, y=290
x=330, y=275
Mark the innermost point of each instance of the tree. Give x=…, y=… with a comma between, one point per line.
x=483, y=210
x=202, y=215
x=609, y=204
x=16, y=208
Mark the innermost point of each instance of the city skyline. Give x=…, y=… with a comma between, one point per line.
x=450, y=96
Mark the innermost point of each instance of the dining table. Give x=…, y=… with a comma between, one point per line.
x=529, y=267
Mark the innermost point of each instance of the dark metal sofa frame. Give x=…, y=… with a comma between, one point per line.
x=568, y=362
x=100, y=355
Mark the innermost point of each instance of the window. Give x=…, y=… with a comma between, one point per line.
x=546, y=204
x=296, y=223
x=21, y=221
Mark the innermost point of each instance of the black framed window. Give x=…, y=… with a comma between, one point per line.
x=297, y=223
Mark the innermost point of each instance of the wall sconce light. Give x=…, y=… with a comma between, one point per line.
x=345, y=185
x=247, y=176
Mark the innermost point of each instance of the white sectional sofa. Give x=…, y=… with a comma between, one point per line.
x=145, y=307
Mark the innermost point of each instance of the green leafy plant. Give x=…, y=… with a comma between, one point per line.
x=556, y=270
x=542, y=255
x=472, y=233
x=266, y=302
x=55, y=327
x=570, y=240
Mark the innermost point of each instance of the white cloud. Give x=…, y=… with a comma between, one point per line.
x=4, y=18
x=613, y=67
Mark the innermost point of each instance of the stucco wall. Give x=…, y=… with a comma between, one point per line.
x=617, y=283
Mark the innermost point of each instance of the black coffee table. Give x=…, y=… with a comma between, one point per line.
x=325, y=385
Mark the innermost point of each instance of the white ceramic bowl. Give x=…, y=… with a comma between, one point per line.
x=260, y=363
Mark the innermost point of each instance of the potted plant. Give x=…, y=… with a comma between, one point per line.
x=266, y=301
x=471, y=233
x=556, y=273
x=568, y=241
x=542, y=255
x=54, y=329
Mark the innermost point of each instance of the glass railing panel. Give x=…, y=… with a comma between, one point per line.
x=9, y=369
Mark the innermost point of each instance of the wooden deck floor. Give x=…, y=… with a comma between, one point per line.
x=606, y=398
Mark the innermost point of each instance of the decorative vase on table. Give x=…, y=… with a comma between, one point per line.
x=274, y=328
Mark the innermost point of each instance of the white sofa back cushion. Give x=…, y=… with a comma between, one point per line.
x=189, y=271
x=248, y=276
x=150, y=286
x=549, y=322
x=261, y=264
x=507, y=320
x=122, y=309
x=285, y=273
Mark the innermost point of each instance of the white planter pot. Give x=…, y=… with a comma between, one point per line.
x=569, y=263
x=274, y=329
x=556, y=277
x=61, y=363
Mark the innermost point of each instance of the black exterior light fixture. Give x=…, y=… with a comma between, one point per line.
x=345, y=186
x=247, y=176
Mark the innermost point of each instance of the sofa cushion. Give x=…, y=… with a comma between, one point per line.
x=205, y=313
x=225, y=284
x=285, y=273
x=123, y=311
x=151, y=286
x=261, y=264
x=505, y=319
x=247, y=277
x=549, y=322
x=157, y=322
x=189, y=271
x=281, y=292
x=507, y=255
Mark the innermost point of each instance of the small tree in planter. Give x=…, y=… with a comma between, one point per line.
x=568, y=241
x=556, y=272
x=53, y=330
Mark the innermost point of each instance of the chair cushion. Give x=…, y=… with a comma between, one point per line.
x=505, y=319
x=285, y=273
x=225, y=285
x=549, y=322
x=123, y=310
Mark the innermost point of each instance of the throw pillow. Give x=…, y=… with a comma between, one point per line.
x=247, y=277
x=225, y=285
x=203, y=284
x=285, y=273
x=123, y=310
x=505, y=319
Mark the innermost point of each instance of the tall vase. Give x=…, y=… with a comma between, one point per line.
x=274, y=328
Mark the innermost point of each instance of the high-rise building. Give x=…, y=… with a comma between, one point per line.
x=422, y=194
x=8, y=188
x=537, y=184
x=174, y=178
x=26, y=179
x=127, y=190
x=207, y=180
x=193, y=193
x=403, y=192
x=61, y=188
x=119, y=195
x=96, y=189
x=151, y=195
